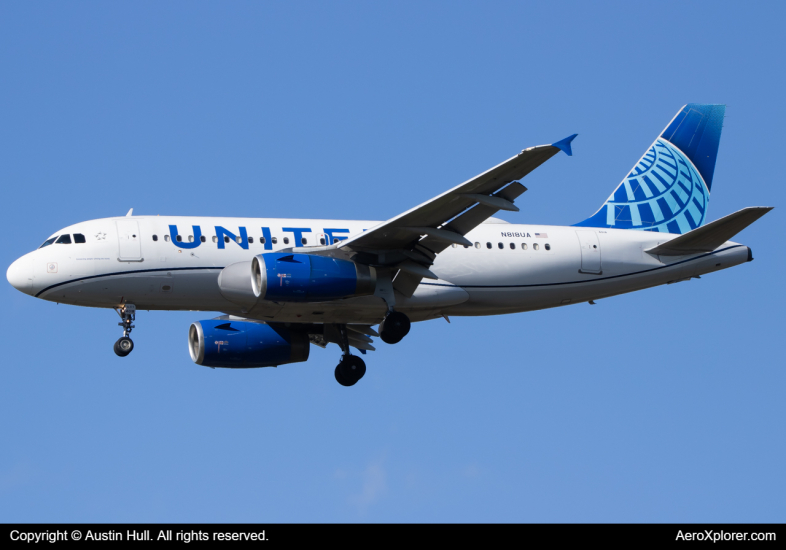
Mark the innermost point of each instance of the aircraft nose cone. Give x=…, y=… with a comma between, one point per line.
x=20, y=274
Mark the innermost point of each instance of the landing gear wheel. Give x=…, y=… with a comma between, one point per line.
x=350, y=370
x=340, y=378
x=393, y=329
x=124, y=346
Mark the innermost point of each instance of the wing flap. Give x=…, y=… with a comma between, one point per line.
x=712, y=235
x=364, y=329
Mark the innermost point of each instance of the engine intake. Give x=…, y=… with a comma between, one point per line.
x=244, y=344
x=286, y=277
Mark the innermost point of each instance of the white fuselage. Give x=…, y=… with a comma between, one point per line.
x=120, y=262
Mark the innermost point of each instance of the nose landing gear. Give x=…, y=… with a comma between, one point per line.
x=125, y=345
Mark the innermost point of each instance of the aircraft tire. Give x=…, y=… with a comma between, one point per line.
x=395, y=326
x=350, y=370
x=340, y=377
x=124, y=346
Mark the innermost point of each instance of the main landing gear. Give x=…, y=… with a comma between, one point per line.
x=393, y=329
x=125, y=345
x=351, y=368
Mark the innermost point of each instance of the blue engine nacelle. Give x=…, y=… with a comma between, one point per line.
x=244, y=344
x=283, y=277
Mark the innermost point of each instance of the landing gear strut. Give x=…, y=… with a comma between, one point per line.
x=393, y=329
x=125, y=345
x=351, y=368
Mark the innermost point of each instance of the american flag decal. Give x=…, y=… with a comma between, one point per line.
x=541, y=235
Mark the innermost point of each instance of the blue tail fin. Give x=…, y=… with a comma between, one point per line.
x=669, y=188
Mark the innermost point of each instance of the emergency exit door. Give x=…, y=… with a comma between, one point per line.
x=590, y=252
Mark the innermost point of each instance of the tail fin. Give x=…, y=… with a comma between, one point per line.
x=669, y=188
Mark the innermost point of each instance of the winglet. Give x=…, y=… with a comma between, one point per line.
x=564, y=145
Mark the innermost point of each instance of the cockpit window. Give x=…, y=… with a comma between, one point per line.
x=64, y=239
x=48, y=242
x=79, y=238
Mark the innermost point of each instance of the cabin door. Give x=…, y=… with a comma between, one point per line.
x=590, y=252
x=128, y=240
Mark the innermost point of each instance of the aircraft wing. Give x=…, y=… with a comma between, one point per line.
x=445, y=217
x=419, y=234
x=408, y=244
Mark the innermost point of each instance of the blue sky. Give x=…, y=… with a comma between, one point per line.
x=663, y=405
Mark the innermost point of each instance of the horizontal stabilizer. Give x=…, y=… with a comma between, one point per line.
x=709, y=237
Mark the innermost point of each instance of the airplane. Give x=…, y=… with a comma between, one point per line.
x=285, y=284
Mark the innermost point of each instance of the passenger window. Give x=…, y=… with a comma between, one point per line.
x=321, y=240
x=48, y=242
x=251, y=240
x=453, y=245
x=215, y=239
x=304, y=241
x=79, y=238
x=202, y=238
x=191, y=238
x=535, y=246
x=166, y=238
x=523, y=246
x=239, y=240
x=548, y=246
x=477, y=245
x=512, y=246
x=286, y=240
x=500, y=246
x=155, y=238
x=64, y=239
x=262, y=240
x=179, y=239
x=488, y=245
x=274, y=240
x=226, y=239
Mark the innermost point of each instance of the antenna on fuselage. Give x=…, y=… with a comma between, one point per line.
x=130, y=212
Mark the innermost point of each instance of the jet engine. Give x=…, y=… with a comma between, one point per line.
x=286, y=277
x=307, y=278
x=245, y=344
